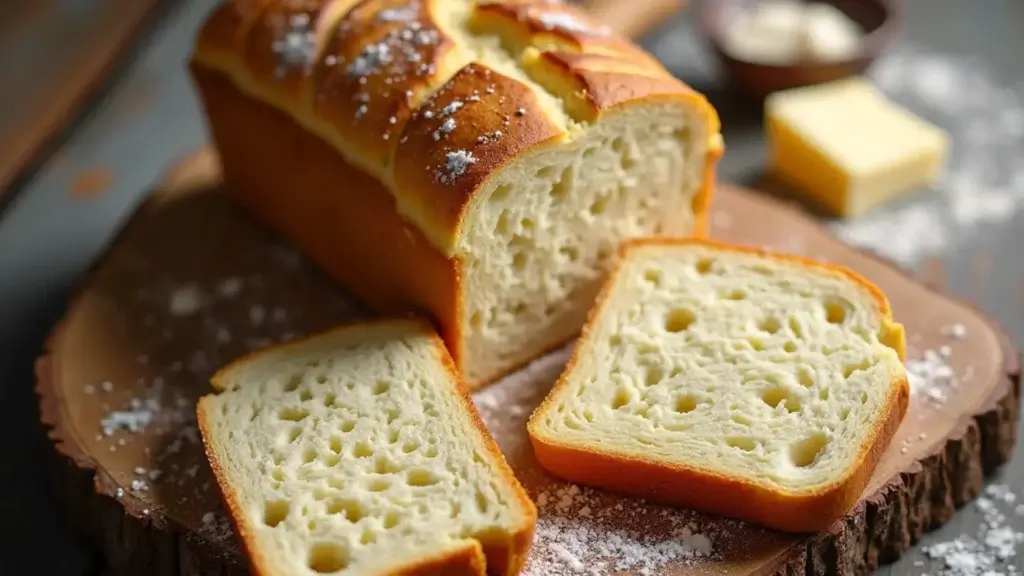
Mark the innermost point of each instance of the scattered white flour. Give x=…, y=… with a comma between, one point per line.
x=577, y=533
x=930, y=374
x=991, y=551
x=185, y=300
x=983, y=181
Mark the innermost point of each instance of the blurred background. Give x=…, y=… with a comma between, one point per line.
x=95, y=105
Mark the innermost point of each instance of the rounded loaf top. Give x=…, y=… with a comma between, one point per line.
x=432, y=97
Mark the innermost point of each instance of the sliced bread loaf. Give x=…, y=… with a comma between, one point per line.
x=755, y=386
x=359, y=452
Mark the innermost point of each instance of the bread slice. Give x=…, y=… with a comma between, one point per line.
x=358, y=452
x=477, y=162
x=750, y=385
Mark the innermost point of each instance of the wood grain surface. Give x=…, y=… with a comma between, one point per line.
x=192, y=282
x=57, y=54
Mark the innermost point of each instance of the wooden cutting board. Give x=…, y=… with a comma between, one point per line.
x=192, y=282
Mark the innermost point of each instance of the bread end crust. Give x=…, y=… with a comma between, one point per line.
x=699, y=489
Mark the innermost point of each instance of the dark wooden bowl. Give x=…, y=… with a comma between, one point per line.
x=878, y=18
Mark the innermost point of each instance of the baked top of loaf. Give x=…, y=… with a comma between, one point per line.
x=433, y=97
x=357, y=451
x=759, y=386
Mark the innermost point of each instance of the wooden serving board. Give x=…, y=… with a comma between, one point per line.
x=192, y=282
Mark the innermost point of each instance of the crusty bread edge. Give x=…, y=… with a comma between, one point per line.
x=674, y=484
x=477, y=558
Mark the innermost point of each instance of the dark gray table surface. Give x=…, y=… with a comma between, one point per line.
x=958, y=62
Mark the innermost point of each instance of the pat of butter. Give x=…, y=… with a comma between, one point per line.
x=848, y=147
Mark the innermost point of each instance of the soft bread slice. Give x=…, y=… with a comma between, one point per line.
x=359, y=452
x=751, y=385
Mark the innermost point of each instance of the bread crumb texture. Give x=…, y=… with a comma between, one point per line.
x=522, y=139
x=770, y=371
x=354, y=452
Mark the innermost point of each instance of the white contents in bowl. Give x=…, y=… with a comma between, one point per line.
x=782, y=32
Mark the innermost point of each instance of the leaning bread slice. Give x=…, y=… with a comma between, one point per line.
x=755, y=386
x=358, y=452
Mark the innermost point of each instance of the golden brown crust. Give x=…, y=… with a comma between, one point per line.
x=695, y=488
x=377, y=61
x=495, y=119
x=496, y=554
x=378, y=251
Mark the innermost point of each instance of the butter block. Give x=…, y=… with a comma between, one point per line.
x=849, y=148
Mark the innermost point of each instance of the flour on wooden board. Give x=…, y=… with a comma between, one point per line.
x=983, y=181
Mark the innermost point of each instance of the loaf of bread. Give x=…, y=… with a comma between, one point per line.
x=475, y=162
x=358, y=451
x=754, y=386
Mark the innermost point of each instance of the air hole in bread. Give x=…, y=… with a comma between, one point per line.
x=736, y=295
x=863, y=397
x=500, y=192
x=476, y=320
x=805, y=377
x=293, y=383
x=501, y=228
x=796, y=328
x=481, y=502
x=381, y=387
x=599, y=206
x=776, y=395
x=254, y=413
x=603, y=253
x=384, y=465
x=588, y=415
x=391, y=519
x=823, y=393
x=305, y=395
x=330, y=459
x=849, y=369
x=570, y=423
x=321, y=378
x=790, y=347
x=519, y=261
x=652, y=276
x=308, y=455
x=571, y=253
x=844, y=414
x=741, y=419
x=621, y=398
x=293, y=433
x=367, y=537
x=292, y=414
x=431, y=452
x=348, y=426
x=378, y=484
x=352, y=510
x=686, y=403
x=677, y=426
x=277, y=475
x=653, y=375
x=560, y=191
x=679, y=319
x=835, y=310
x=704, y=266
x=275, y=511
x=756, y=343
x=643, y=410
x=762, y=270
x=410, y=446
x=329, y=399
x=770, y=325
x=421, y=477
x=744, y=443
x=328, y=557
x=363, y=449
x=806, y=452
